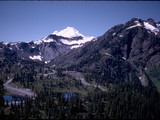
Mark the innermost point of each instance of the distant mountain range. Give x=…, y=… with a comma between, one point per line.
x=49, y=47
x=126, y=52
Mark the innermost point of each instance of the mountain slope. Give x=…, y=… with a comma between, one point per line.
x=123, y=53
x=49, y=47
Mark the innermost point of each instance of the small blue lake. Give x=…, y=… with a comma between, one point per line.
x=11, y=98
x=68, y=95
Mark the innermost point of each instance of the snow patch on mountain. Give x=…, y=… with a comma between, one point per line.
x=120, y=35
x=38, y=42
x=137, y=24
x=81, y=41
x=55, y=32
x=13, y=43
x=49, y=40
x=17, y=47
x=75, y=46
x=5, y=43
x=151, y=28
x=147, y=26
x=46, y=62
x=108, y=54
x=158, y=25
x=36, y=57
x=77, y=43
x=123, y=58
x=114, y=34
x=43, y=40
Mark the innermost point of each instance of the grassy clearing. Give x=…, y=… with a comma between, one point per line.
x=156, y=83
x=61, y=84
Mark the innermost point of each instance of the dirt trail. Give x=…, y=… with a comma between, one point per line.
x=78, y=76
x=93, y=85
x=18, y=91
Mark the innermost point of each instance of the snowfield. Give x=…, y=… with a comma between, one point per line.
x=151, y=28
x=36, y=57
x=137, y=24
x=69, y=32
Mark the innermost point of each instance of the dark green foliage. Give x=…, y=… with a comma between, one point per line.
x=26, y=76
x=125, y=101
x=24, y=46
x=155, y=72
x=10, y=55
x=111, y=71
x=133, y=101
x=1, y=98
x=59, y=73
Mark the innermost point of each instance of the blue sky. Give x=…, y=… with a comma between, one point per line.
x=27, y=20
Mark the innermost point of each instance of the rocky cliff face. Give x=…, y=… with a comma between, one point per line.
x=137, y=40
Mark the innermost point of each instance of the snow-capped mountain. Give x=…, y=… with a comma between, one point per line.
x=49, y=47
x=69, y=36
x=72, y=33
x=61, y=42
x=68, y=32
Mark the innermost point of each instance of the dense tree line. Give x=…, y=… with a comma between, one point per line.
x=155, y=72
x=26, y=76
x=1, y=98
x=124, y=101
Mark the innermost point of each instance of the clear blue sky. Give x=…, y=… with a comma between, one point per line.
x=27, y=20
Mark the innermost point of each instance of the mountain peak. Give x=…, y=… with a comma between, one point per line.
x=148, y=24
x=68, y=32
x=151, y=21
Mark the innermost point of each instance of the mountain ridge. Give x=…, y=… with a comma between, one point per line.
x=50, y=46
x=125, y=50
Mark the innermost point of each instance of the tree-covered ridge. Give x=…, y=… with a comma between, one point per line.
x=125, y=101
